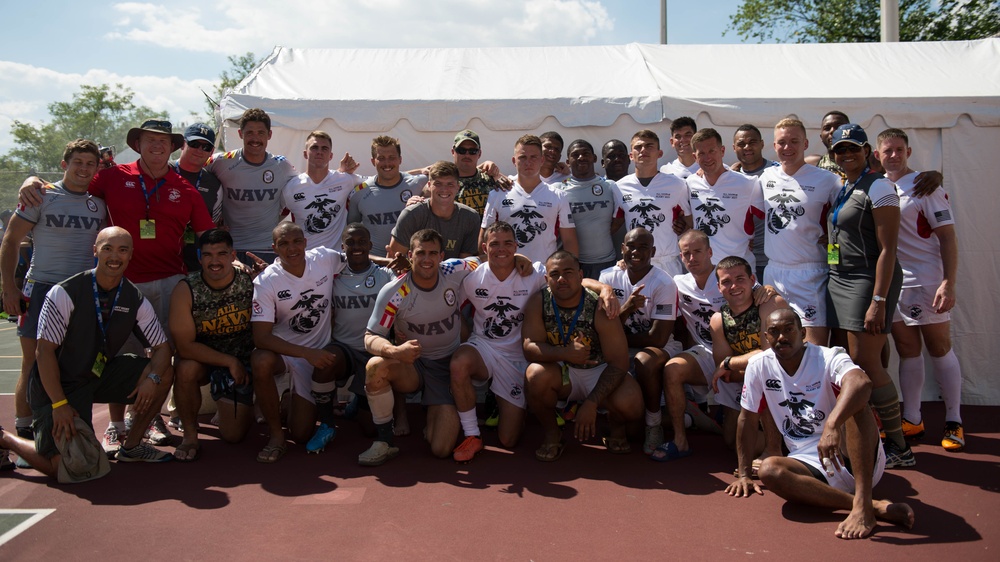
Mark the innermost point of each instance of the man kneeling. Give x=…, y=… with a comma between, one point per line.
x=83, y=324
x=835, y=467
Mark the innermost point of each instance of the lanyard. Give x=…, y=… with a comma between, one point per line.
x=845, y=195
x=97, y=305
x=197, y=182
x=150, y=194
x=564, y=337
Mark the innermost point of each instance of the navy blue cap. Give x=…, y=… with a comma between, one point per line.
x=851, y=133
x=200, y=131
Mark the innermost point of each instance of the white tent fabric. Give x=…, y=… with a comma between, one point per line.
x=946, y=95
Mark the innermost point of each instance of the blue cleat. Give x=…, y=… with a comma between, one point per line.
x=324, y=434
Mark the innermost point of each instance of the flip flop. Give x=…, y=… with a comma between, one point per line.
x=550, y=452
x=670, y=453
x=192, y=451
x=272, y=453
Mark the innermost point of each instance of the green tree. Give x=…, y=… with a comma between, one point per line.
x=101, y=113
x=857, y=21
x=240, y=67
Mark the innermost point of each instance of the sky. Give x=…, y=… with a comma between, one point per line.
x=167, y=53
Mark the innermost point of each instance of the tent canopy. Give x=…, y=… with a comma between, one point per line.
x=946, y=95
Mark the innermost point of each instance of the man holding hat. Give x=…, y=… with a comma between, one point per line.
x=84, y=323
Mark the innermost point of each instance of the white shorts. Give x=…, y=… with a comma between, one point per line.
x=842, y=479
x=506, y=374
x=915, y=307
x=672, y=348
x=671, y=264
x=583, y=381
x=729, y=392
x=803, y=287
x=300, y=374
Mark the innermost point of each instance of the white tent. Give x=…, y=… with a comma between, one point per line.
x=946, y=96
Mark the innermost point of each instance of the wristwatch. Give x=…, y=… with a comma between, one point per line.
x=725, y=363
x=154, y=377
x=878, y=298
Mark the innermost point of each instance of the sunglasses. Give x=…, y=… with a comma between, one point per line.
x=201, y=145
x=464, y=151
x=845, y=148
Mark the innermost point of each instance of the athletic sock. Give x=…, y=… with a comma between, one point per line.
x=470, y=425
x=654, y=418
x=911, y=386
x=22, y=422
x=886, y=402
x=381, y=404
x=948, y=374
x=322, y=393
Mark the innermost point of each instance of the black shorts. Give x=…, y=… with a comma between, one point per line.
x=120, y=378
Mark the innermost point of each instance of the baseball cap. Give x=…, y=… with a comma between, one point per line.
x=464, y=136
x=851, y=133
x=200, y=131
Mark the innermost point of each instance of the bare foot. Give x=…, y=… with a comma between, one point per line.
x=186, y=451
x=898, y=513
x=858, y=525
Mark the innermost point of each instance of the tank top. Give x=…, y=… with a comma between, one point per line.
x=742, y=330
x=584, y=324
x=222, y=316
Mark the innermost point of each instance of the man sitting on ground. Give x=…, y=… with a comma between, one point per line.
x=835, y=457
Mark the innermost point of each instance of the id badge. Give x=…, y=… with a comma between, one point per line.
x=565, y=374
x=833, y=254
x=99, y=363
x=189, y=237
x=147, y=229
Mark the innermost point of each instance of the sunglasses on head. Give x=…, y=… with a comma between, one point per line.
x=464, y=151
x=845, y=148
x=201, y=145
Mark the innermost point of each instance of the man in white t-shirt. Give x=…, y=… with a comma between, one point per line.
x=681, y=131
x=291, y=329
x=493, y=352
x=553, y=170
x=648, y=298
x=834, y=456
x=654, y=200
x=723, y=203
x=318, y=197
x=796, y=198
x=538, y=212
x=927, y=250
x=748, y=144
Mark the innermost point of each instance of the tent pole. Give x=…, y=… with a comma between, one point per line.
x=890, y=21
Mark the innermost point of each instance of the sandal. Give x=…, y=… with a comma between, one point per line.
x=191, y=452
x=550, y=452
x=272, y=453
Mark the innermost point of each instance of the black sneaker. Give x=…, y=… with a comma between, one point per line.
x=896, y=457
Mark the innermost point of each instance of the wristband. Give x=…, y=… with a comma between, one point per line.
x=60, y=403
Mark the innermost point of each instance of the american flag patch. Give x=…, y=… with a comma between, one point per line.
x=943, y=215
x=667, y=309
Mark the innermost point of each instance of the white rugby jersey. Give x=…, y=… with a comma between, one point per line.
x=795, y=212
x=800, y=402
x=725, y=212
x=536, y=217
x=320, y=208
x=698, y=305
x=655, y=207
x=675, y=167
x=499, y=306
x=918, y=250
x=299, y=307
x=660, y=292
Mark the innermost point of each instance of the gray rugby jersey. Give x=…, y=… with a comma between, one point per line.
x=66, y=226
